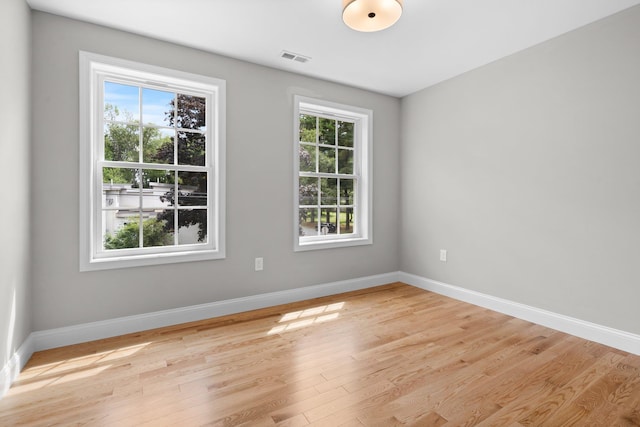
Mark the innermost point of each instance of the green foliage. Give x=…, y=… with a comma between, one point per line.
x=339, y=136
x=118, y=175
x=345, y=134
x=334, y=133
x=153, y=234
x=307, y=128
x=191, y=145
x=122, y=143
x=191, y=150
x=307, y=156
x=327, y=128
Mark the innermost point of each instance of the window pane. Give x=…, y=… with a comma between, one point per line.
x=307, y=157
x=121, y=231
x=328, y=223
x=157, y=145
x=121, y=142
x=327, y=160
x=150, y=152
x=345, y=161
x=308, y=191
x=167, y=217
x=127, y=176
x=345, y=134
x=191, y=149
x=192, y=226
x=329, y=190
x=192, y=189
x=121, y=102
x=307, y=128
x=191, y=112
x=308, y=219
x=155, y=232
x=332, y=133
x=327, y=131
x=121, y=208
x=158, y=189
x=157, y=107
x=347, y=195
x=347, y=220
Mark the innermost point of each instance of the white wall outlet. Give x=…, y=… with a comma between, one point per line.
x=259, y=264
x=443, y=255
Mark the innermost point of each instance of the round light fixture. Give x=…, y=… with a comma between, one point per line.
x=371, y=15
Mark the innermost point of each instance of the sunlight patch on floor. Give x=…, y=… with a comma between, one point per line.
x=57, y=380
x=72, y=369
x=308, y=317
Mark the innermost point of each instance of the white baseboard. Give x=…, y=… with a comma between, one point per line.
x=43, y=340
x=59, y=337
x=10, y=371
x=621, y=340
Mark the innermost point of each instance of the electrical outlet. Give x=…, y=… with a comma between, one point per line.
x=443, y=255
x=259, y=264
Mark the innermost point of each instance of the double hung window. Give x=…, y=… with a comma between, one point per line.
x=152, y=157
x=332, y=175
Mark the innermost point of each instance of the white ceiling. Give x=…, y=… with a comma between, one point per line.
x=434, y=40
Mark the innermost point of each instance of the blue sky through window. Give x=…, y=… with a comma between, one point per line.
x=127, y=98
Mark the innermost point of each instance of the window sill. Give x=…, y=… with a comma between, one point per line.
x=97, y=264
x=330, y=244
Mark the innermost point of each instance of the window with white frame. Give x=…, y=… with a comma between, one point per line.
x=151, y=164
x=332, y=184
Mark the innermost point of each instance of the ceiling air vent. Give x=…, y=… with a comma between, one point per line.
x=294, y=56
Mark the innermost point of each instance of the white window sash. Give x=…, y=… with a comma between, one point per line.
x=94, y=70
x=362, y=120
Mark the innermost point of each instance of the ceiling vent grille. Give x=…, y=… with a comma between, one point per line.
x=294, y=56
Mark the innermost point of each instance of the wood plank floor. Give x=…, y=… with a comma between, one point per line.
x=387, y=356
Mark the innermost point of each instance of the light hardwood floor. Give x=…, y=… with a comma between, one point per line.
x=391, y=355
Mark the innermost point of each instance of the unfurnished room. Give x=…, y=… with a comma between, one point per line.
x=320, y=213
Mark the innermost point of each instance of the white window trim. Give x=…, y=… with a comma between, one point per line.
x=91, y=135
x=363, y=144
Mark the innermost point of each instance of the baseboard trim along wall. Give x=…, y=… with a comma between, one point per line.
x=10, y=371
x=621, y=340
x=125, y=325
x=52, y=338
x=43, y=340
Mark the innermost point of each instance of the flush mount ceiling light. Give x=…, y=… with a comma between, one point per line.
x=371, y=15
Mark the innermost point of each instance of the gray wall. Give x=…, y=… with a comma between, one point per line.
x=259, y=185
x=15, y=304
x=527, y=171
